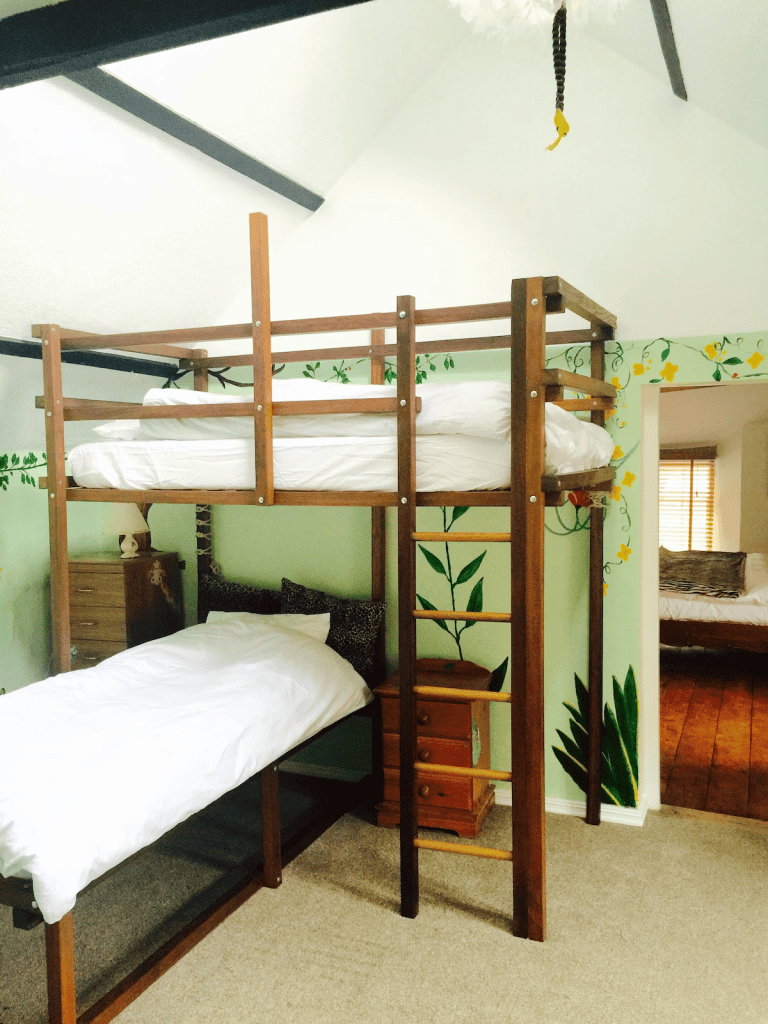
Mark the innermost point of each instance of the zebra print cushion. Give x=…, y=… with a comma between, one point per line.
x=711, y=573
x=354, y=624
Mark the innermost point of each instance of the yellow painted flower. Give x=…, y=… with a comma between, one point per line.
x=638, y=369
x=615, y=382
x=629, y=479
x=617, y=452
x=755, y=359
x=669, y=371
x=605, y=589
x=616, y=492
x=624, y=552
x=710, y=350
x=609, y=413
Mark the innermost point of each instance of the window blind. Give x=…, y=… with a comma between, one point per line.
x=686, y=503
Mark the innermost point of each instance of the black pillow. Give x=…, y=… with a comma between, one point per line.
x=354, y=624
x=218, y=594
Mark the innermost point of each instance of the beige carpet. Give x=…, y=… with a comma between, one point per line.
x=668, y=923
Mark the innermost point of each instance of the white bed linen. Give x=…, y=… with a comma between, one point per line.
x=443, y=462
x=97, y=764
x=751, y=607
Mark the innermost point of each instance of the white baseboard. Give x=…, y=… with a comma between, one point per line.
x=577, y=808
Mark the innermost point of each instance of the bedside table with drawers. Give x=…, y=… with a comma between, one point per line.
x=453, y=731
x=115, y=603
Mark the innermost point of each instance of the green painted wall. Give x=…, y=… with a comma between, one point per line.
x=329, y=548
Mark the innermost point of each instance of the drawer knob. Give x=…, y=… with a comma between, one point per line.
x=422, y=718
x=425, y=755
x=86, y=623
x=86, y=590
x=424, y=791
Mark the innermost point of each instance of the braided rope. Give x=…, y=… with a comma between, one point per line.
x=558, y=54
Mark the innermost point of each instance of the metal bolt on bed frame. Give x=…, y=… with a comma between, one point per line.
x=534, y=302
x=402, y=314
x=532, y=498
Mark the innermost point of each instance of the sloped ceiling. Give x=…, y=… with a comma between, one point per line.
x=307, y=96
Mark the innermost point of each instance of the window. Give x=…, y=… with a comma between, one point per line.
x=687, y=498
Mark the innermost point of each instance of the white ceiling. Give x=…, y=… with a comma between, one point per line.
x=308, y=96
x=706, y=415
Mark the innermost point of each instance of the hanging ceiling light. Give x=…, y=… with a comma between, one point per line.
x=506, y=17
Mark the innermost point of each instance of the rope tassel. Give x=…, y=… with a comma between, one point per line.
x=558, y=58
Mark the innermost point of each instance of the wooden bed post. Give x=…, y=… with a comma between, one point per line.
x=262, y=359
x=595, y=671
x=270, y=826
x=378, y=522
x=527, y=608
x=60, y=960
x=406, y=600
x=57, y=496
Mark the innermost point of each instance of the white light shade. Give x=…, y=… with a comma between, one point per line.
x=506, y=17
x=125, y=520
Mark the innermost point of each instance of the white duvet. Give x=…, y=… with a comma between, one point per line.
x=96, y=764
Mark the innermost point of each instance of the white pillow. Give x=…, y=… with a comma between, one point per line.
x=316, y=626
x=119, y=430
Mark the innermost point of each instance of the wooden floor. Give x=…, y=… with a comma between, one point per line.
x=714, y=731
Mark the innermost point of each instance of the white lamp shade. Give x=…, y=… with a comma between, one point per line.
x=125, y=520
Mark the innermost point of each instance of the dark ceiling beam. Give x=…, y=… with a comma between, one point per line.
x=669, y=47
x=114, y=90
x=81, y=34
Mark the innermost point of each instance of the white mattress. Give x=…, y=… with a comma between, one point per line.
x=751, y=607
x=97, y=764
x=443, y=462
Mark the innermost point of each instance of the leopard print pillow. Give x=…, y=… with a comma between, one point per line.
x=354, y=624
x=218, y=594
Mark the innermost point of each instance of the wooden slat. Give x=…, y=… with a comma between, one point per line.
x=471, y=773
x=578, y=303
x=406, y=597
x=527, y=597
x=689, y=779
x=480, y=538
x=262, y=359
x=585, y=404
x=378, y=535
x=466, y=849
x=589, y=480
x=57, y=498
x=728, y=791
x=675, y=701
x=270, y=826
x=577, y=382
x=147, y=350
x=452, y=693
x=60, y=960
x=423, y=613
x=491, y=342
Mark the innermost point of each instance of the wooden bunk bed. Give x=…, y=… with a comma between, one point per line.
x=530, y=492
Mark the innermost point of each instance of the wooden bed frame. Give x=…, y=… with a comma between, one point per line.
x=531, y=491
x=694, y=633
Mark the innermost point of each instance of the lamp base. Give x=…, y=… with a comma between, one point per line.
x=128, y=546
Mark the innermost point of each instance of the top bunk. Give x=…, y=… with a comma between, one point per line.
x=305, y=442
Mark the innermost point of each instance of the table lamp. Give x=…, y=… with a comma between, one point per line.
x=126, y=521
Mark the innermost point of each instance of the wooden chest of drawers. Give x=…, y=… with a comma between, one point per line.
x=452, y=731
x=116, y=603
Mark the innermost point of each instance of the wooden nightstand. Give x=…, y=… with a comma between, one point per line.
x=452, y=731
x=121, y=602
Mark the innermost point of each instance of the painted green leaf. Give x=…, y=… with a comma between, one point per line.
x=470, y=569
x=15, y=460
x=458, y=512
x=611, y=794
x=732, y=361
x=430, y=607
x=3, y=462
x=572, y=767
x=572, y=748
x=620, y=763
x=656, y=380
x=498, y=676
x=433, y=560
x=665, y=354
x=577, y=716
x=475, y=602
x=582, y=697
x=717, y=375
x=581, y=736
x=632, y=712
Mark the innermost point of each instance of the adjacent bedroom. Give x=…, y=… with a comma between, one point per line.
x=383, y=511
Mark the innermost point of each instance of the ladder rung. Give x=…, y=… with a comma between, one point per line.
x=468, y=851
x=483, y=538
x=464, y=616
x=474, y=773
x=450, y=691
